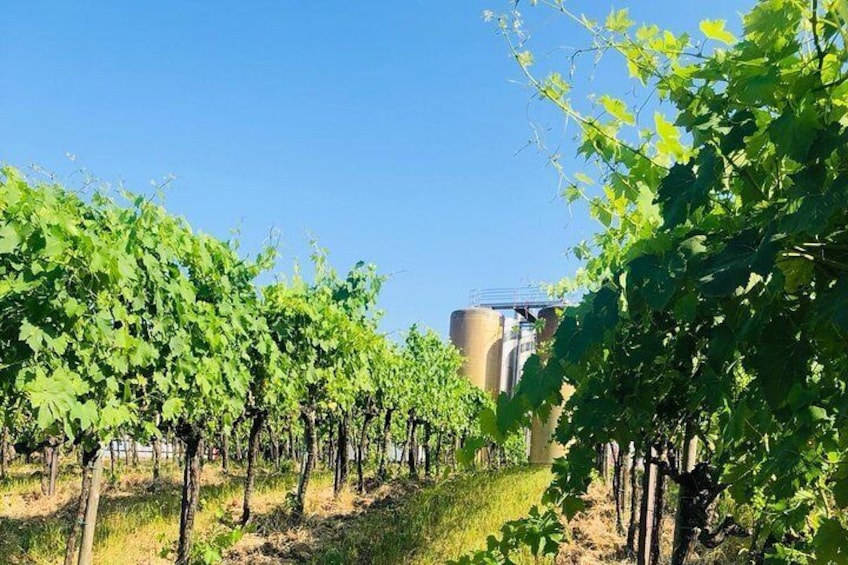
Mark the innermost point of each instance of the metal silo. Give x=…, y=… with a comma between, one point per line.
x=542, y=449
x=519, y=343
x=478, y=334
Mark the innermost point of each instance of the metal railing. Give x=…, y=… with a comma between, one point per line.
x=511, y=298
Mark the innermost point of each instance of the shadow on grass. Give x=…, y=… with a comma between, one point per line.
x=123, y=509
x=333, y=534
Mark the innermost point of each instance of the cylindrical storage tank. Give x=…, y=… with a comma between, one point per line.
x=519, y=343
x=550, y=316
x=543, y=448
x=478, y=334
x=509, y=353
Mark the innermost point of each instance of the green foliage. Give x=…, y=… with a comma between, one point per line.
x=437, y=394
x=117, y=313
x=326, y=334
x=515, y=449
x=715, y=288
x=211, y=549
x=542, y=532
x=119, y=321
x=714, y=29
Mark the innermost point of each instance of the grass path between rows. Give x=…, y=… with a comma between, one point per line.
x=403, y=522
x=440, y=521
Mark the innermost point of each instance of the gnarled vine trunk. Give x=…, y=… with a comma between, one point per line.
x=156, y=446
x=341, y=455
x=331, y=452
x=656, y=524
x=191, y=491
x=50, y=466
x=618, y=482
x=86, y=556
x=112, y=457
x=362, y=450
x=46, y=460
x=256, y=426
x=292, y=447
x=413, y=448
x=4, y=452
x=646, y=513
x=225, y=452
x=308, y=417
x=683, y=533
x=385, y=438
x=632, y=526
x=274, y=443
x=89, y=459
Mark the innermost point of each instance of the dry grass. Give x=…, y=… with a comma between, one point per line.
x=277, y=538
x=595, y=541
x=135, y=523
x=428, y=523
x=401, y=522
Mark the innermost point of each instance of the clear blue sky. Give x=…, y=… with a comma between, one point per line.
x=388, y=130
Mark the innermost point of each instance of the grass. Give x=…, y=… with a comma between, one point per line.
x=147, y=523
x=24, y=478
x=134, y=523
x=427, y=524
x=402, y=522
x=437, y=522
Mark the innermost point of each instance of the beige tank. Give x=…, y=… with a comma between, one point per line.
x=478, y=334
x=543, y=450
